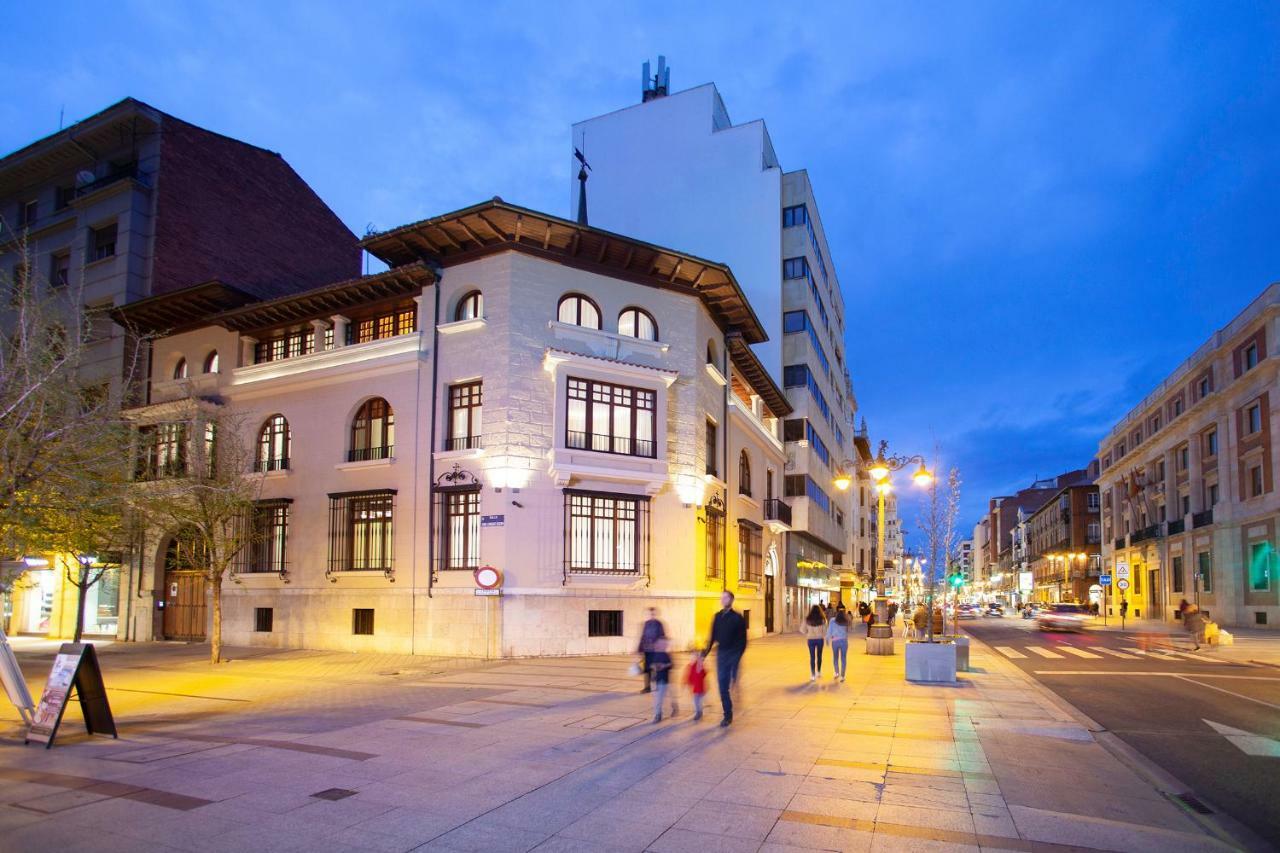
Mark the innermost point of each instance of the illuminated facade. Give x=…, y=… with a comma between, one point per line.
x=1188, y=480
x=580, y=410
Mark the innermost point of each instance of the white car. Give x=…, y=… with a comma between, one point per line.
x=1063, y=617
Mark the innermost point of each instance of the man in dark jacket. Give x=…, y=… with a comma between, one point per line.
x=729, y=631
x=652, y=631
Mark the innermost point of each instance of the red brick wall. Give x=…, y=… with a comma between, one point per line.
x=240, y=214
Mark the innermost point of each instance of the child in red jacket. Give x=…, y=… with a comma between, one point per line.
x=696, y=677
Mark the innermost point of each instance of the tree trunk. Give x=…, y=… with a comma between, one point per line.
x=82, y=592
x=215, y=632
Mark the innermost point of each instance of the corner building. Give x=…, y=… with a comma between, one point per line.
x=1188, y=481
x=578, y=409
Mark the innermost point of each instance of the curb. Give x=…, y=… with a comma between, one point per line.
x=1220, y=825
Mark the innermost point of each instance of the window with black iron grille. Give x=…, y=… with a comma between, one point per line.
x=270, y=531
x=389, y=325
x=458, y=535
x=465, y=410
x=610, y=418
x=711, y=444
x=162, y=451
x=750, y=552
x=606, y=533
x=263, y=619
x=373, y=431
x=360, y=531
x=604, y=623
x=715, y=542
x=273, y=445
x=362, y=621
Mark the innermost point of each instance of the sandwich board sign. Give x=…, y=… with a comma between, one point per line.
x=75, y=667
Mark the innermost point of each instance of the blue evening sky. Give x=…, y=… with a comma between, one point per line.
x=1037, y=210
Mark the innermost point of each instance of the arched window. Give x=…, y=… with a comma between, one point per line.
x=273, y=445
x=744, y=474
x=578, y=311
x=637, y=323
x=373, y=431
x=180, y=369
x=470, y=307
x=211, y=362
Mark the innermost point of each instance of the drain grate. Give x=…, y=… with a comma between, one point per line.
x=1192, y=802
x=334, y=794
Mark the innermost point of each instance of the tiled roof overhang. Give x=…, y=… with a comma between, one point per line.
x=181, y=310
x=755, y=373
x=496, y=226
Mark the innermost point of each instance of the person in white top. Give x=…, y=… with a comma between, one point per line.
x=814, y=627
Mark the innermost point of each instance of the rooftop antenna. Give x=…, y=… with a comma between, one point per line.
x=582, y=182
x=657, y=86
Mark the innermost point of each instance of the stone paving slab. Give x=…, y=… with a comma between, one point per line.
x=560, y=755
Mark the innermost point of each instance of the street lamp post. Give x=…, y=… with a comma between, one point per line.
x=880, y=634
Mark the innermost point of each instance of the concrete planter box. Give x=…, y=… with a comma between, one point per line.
x=931, y=662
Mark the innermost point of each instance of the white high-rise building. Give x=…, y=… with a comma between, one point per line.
x=675, y=170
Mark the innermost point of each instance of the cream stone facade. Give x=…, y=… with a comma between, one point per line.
x=1190, y=508
x=585, y=539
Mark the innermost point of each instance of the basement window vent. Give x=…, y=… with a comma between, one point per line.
x=604, y=623
x=1260, y=617
x=263, y=619
x=362, y=621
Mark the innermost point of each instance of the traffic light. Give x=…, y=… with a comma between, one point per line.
x=956, y=580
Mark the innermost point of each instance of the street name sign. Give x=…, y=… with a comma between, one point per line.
x=1105, y=580
x=1123, y=583
x=76, y=666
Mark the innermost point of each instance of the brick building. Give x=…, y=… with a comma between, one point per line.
x=133, y=204
x=1064, y=546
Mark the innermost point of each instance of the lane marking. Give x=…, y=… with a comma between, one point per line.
x=1187, y=675
x=1044, y=653
x=1248, y=742
x=1117, y=653
x=1228, y=692
x=1204, y=658
x=1009, y=652
x=1080, y=653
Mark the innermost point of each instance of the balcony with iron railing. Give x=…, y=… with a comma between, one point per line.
x=1151, y=531
x=1176, y=527
x=776, y=509
x=1202, y=519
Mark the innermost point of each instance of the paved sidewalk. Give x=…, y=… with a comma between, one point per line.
x=319, y=751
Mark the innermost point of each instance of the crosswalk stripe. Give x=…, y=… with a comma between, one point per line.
x=1118, y=654
x=1080, y=653
x=1009, y=652
x=1044, y=653
x=1198, y=657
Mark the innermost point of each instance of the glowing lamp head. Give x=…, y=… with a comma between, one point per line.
x=843, y=481
x=878, y=470
x=922, y=476
x=883, y=486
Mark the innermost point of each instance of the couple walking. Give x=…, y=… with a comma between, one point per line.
x=821, y=630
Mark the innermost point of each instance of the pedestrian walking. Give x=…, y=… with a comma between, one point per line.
x=919, y=621
x=696, y=677
x=729, y=634
x=838, y=636
x=814, y=628
x=661, y=664
x=893, y=611
x=1193, y=620
x=652, y=631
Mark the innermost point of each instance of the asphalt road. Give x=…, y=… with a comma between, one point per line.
x=1161, y=698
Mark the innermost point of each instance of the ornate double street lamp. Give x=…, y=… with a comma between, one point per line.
x=881, y=470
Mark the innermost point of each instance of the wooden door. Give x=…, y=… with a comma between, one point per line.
x=184, y=605
x=768, y=604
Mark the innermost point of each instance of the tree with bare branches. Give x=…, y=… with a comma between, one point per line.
x=210, y=506
x=941, y=507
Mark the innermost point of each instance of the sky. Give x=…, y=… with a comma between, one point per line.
x=1036, y=210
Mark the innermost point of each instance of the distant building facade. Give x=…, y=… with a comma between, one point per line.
x=1190, y=507
x=1064, y=546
